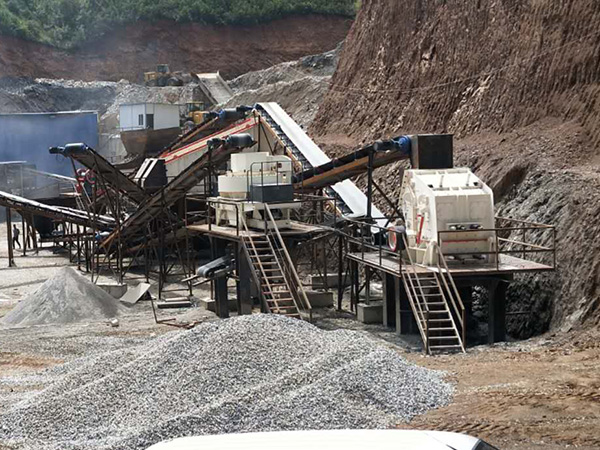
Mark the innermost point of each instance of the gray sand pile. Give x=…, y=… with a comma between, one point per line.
x=250, y=373
x=67, y=297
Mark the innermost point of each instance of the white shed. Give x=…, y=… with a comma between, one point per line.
x=153, y=116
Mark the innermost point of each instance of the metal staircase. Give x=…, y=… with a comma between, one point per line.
x=436, y=305
x=280, y=288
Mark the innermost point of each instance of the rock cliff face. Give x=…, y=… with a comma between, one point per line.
x=517, y=82
x=467, y=66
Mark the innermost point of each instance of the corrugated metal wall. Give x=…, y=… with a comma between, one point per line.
x=27, y=137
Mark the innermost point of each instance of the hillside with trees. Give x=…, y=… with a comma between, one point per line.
x=69, y=23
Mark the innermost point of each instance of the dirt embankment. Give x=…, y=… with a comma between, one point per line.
x=298, y=86
x=129, y=51
x=517, y=82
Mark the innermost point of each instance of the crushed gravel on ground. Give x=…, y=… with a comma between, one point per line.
x=67, y=297
x=250, y=373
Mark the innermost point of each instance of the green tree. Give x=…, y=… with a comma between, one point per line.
x=68, y=23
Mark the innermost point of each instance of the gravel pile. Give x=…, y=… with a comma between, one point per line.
x=67, y=297
x=251, y=373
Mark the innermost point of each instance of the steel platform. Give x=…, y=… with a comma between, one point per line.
x=507, y=265
x=297, y=229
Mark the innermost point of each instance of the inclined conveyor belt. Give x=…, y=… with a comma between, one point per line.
x=352, y=164
x=135, y=225
x=114, y=177
x=213, y=123
x=58, y=213
x=352, y=200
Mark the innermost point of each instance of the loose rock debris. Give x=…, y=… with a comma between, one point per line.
x=250, y=373
x=67, y=297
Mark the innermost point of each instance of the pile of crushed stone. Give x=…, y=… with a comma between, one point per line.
x=67, y=297
x=249, y=373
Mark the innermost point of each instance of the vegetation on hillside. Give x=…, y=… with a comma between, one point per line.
x=67, y=23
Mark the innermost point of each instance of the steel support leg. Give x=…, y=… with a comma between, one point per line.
x=9, y=237
x=221, y=298
x=389, y=303
x=244, y=284
x=497, y=311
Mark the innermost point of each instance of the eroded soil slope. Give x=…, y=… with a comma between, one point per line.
x=298, y=86
x=517, y=82
x=466, y=66
x=129, y=51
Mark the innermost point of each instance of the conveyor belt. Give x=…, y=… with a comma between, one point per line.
x=61, y=214
x=215, y=88
x=134, y=225
x=352, y=164
x=352, y=200
x=213, y=123
x=113, y=176
x=178, y=160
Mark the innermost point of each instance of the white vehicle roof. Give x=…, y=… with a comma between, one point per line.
x=326, y=440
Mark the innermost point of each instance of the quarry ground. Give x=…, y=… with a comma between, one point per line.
x=539, y=393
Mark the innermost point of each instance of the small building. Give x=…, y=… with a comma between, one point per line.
x=146, y=128
x=148, y=116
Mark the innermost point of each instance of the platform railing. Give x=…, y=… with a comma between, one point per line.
x=278, y=171
x=238, y=209
x=520, y=248
x=372, y=239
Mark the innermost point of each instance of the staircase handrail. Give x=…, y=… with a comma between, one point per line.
x=290, y=267
x=416, y=274
x=414, y=297
x=456, y=300
x=460, y=307
x=242, y=219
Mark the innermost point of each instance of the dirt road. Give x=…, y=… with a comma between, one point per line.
x=544, y=393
